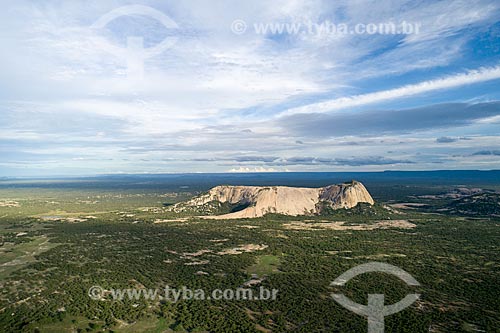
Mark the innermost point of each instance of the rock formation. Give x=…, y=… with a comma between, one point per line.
x=260, y=200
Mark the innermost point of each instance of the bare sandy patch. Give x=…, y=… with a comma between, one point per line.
x=196, y=254
x=62, y=218
x=253, y=282
x=75, y=219
x=337, y=252
x=182, y=219
x=340, y=225
x=9, y=203
x=244, y=248
x=195, y=263
x=381, y=255
x=408, y=205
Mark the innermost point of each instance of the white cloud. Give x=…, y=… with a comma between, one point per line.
x=256, y=169
x=214, y=92
x=470, y=77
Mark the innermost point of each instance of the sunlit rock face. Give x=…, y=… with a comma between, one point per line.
x=261, y=200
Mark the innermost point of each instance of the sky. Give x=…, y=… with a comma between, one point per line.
x=104, y=87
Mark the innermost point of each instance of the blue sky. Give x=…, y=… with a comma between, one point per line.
x=216, y=101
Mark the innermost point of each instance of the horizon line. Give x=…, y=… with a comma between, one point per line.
x=235, y=173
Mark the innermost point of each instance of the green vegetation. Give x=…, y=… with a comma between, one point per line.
x=147, y=325
x=60, y=243
x=265, y=265
x=362, y=209
x=15, y=255
x=68, y=324
x=484, y=204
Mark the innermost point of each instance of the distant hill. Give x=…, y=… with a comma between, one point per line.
x=256, y=201
x=482, y=204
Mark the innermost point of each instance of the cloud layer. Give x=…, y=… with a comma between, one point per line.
x=378, y=122
x=220, y=101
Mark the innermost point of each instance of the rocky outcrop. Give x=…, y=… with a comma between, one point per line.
x=260, y=200
x=345, y=195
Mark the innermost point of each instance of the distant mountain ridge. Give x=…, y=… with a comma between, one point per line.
x=260, y=200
